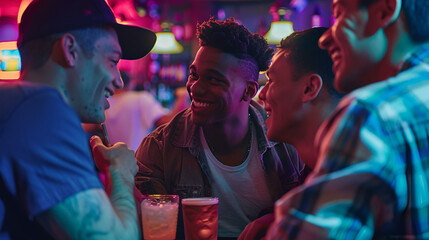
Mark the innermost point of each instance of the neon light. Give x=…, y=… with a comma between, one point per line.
x=24, y=4
x=10, y=61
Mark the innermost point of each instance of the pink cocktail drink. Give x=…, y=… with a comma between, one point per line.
x=200, y=216
x=159, y=216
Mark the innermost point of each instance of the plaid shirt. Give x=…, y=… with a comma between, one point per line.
x=372, y=180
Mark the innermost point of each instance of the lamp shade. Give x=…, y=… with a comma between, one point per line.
x=166, y=44
x=278, y=31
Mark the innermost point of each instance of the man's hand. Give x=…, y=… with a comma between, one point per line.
x=118, y=157
x=258, y=228
x=91, y=214
x=120, y=166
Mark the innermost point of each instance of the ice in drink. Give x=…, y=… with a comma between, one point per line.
x=159, y=216
x=200, y=216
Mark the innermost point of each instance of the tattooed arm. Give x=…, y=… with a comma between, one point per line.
x=91, y=214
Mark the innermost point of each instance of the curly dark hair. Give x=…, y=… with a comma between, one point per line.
x=236, y=39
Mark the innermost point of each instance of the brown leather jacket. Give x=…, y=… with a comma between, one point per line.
x=171, y=159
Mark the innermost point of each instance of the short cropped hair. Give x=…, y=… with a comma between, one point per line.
x=125, y=78
x=366, y=3
x=36, y=52
x=235, y=39
x=304, y=54
x=416, y=15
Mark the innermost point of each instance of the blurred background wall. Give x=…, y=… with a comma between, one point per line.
x=162, y=73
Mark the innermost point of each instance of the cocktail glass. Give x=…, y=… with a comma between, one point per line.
x=159, y=216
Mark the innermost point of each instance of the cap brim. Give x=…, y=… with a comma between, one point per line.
x=135, y=42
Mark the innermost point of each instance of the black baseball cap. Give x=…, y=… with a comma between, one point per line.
x=46, y=17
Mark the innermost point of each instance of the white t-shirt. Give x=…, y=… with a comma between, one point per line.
x=131, y=117
x=242, y=190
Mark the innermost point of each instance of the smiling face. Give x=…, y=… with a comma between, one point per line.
x=96, y=79
x=216, y=85
x=354, y=48
x=282, y=97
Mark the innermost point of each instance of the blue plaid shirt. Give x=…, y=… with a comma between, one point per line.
x=372, y=180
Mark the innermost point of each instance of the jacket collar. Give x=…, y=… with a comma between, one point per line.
x=185, y=132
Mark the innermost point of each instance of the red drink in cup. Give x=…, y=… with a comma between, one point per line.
x=200, y=216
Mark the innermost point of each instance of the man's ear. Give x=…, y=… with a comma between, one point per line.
x=69, y=49
x=250, y=91
x=395, y=6
x=313, y=84
x=382, y=13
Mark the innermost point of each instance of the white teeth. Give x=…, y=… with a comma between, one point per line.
x=200, y=104
x=335, y=55
x=106, y=94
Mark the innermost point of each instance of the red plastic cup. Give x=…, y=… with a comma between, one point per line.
x=200, y=216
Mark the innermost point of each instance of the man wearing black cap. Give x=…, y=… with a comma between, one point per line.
x=48, y=183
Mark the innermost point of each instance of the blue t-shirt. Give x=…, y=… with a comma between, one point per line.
x=44, y=157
